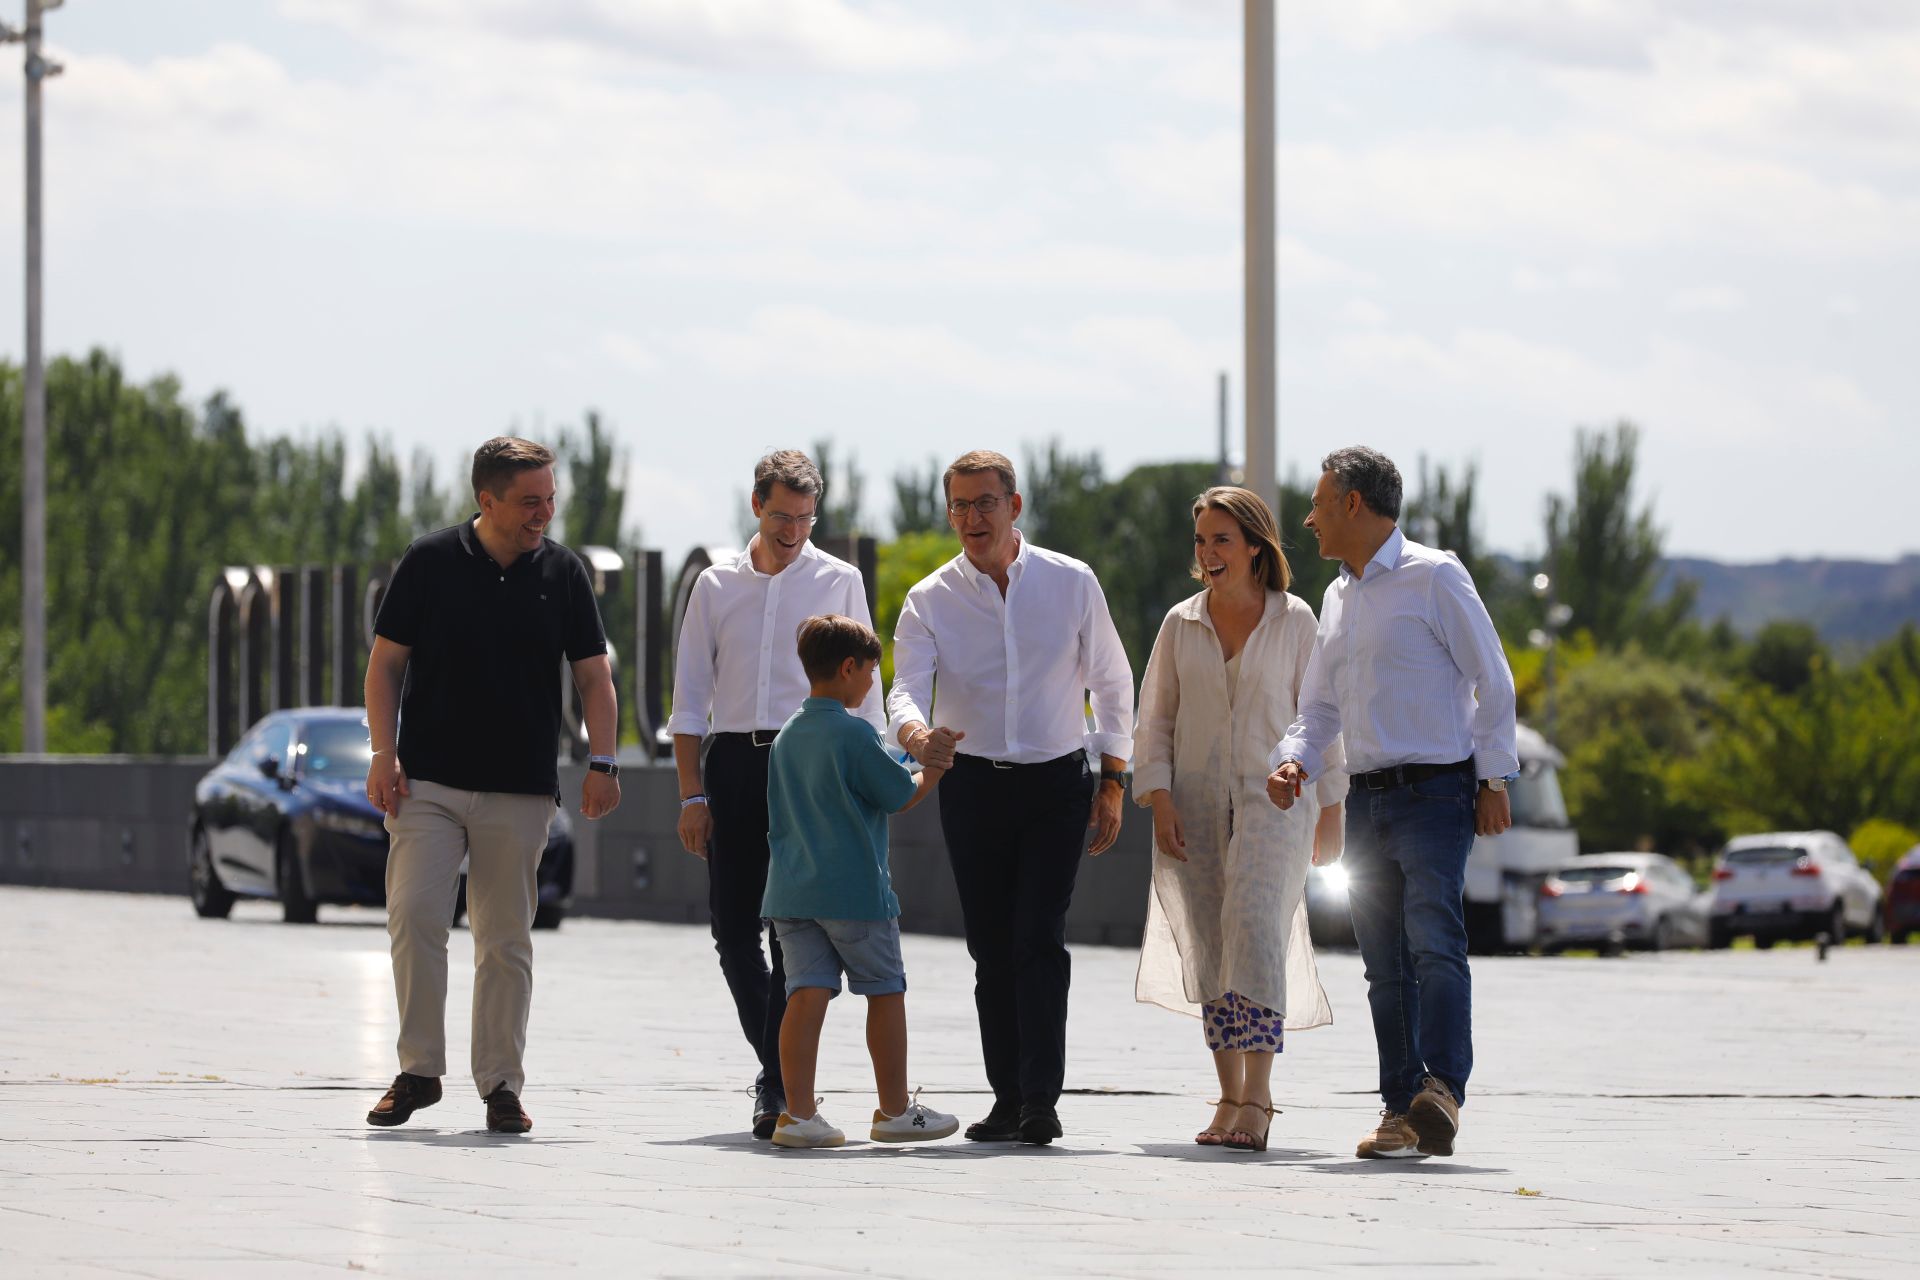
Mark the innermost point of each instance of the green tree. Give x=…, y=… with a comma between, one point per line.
x=1605, y=555
x=1786, y=655
x=919, y=503
x=898, y=566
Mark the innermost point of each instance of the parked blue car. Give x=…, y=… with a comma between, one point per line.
x=286, y=816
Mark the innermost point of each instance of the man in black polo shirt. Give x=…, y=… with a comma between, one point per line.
x=466, y=656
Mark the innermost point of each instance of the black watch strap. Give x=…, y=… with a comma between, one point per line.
x=604, y=766
x=1116, y=775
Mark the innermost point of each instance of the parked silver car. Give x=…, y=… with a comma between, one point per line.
x=1619, y=900
x=1793, y=884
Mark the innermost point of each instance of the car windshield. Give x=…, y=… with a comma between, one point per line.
x=1593, y=875
x=1769, y=856
x=1535, y=796
x=337, y=749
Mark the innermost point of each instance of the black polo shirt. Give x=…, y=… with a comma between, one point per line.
x=480, y=709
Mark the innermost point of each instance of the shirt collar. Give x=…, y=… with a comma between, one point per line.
x=1387, y=557
x=1194, y=608
x=470, y=542
x=745, y=559
x=974, y=577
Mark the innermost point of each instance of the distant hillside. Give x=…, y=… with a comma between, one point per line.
x=1854, y=603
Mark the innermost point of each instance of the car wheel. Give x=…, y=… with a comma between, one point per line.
x=1663, y=938
x=1837, y=924
x=1719, y=937
x=1876, y=928
x=1762, y=943
x=295, y=906
x=1900, y=937
x=548, y=915
x=211, y=901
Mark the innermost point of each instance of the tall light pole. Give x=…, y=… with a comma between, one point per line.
x=33, y=426
x=1263, y=428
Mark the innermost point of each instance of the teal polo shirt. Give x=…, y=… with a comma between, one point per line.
x=830, y=786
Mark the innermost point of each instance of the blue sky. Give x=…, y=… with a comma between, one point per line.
x=918, y=228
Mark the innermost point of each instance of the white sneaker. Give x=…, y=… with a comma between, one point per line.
x=918, y=1123
x=814, y=1131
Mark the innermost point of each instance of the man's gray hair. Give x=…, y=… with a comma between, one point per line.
x=1369, y=473
x=791, y=468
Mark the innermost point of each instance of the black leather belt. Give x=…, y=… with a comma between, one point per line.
x=1405, y=774
x=757, y=738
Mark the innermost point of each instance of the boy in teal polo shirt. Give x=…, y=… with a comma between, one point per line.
x=830, y=786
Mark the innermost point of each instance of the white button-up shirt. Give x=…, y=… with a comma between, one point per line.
x=1407, y=666
x=738, y=664
x=1013, y=674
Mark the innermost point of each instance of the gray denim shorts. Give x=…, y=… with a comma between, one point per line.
x=815, y=953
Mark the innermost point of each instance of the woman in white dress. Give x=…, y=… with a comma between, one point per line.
x=1226, y=934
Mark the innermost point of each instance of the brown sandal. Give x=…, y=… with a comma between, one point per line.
x=1213, y=1135
x=1251, y=1142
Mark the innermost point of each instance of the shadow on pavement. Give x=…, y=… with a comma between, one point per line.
x=1219, y=1155
x=1404, y=1166
x=942, y=1149
x=463, y=1138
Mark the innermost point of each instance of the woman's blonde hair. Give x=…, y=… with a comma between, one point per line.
x=1257, y=526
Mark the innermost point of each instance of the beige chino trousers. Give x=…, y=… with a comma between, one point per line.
x=501, y=836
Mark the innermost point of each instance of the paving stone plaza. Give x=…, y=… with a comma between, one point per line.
x=184, y=1098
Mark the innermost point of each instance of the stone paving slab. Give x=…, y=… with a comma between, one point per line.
x=182, y=1097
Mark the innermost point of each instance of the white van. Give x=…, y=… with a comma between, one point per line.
x=1505, y=872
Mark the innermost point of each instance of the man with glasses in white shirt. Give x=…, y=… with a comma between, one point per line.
x=1016, y=639
x=1407, y=665
x=737, y=679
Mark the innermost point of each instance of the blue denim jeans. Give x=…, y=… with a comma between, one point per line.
x=1406, y=865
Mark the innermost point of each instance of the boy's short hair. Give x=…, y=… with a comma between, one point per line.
x=827, y=640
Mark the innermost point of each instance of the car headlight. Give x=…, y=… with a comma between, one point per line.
x=349, y=824
x=1333, y=876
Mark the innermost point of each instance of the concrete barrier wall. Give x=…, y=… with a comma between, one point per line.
x=120, y=822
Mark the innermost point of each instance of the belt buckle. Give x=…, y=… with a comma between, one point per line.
x=1001, y=764
x=754, y=737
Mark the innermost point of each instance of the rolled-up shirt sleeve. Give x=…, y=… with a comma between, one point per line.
x=915, y=656
x=1316, y=728
x=1159, y=707
x=1461, y=622
x=693, y=665
x=1109, y=677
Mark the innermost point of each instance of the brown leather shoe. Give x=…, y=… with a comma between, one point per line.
x=504, y=1114
x=409, y=1094
x=1435, y=1117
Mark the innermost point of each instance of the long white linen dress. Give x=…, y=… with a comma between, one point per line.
x=1232, y=917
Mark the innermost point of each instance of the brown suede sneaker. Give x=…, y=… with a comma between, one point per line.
x=1392, y=1139
x=1435, y=1117
x=504, y=1114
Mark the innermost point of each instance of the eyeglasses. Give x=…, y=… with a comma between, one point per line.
x=781, y=520
x=986, y=506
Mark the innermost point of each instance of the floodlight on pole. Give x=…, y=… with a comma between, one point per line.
x=33, y=424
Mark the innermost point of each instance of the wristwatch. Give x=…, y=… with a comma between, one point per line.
x=603, y=764
x=1494, y=784
x=1120, y=776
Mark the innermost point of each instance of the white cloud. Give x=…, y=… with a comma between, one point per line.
x=1706, y=297
x=826, y=35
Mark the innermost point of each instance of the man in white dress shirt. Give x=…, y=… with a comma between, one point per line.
x=1016, y=638
x=1407, y=665
x=737, y=676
